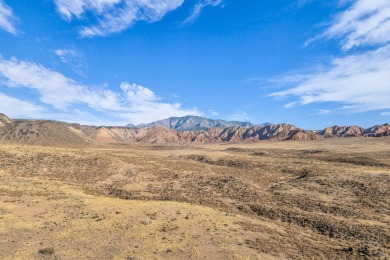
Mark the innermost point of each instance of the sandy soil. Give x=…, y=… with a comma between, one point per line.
x=327, y=199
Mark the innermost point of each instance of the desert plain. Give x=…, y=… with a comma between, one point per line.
x=324, y=199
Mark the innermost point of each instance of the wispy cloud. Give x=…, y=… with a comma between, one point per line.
x=134, y=103
x=297, y=4
x=54, y=88
x=18, y=108
x=115, y=15
x=301, y=3
x=323, y=111
x=7, y=18
x=197, y=10
x=73, y=58
x=239, y=116
x=360, y=80
x=213, y=112
x=365, y=22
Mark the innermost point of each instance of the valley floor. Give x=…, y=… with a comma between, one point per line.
x=327, y=199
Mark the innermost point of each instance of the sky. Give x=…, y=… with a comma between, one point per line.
x=311, y=63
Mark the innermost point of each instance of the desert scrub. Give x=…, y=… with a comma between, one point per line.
x=46, y=251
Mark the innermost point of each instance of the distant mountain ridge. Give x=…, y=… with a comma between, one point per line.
x=52, y=133
x=188, y=123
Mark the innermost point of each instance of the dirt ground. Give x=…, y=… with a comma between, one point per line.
x=327, y=199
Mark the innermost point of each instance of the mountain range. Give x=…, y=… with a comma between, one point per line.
x=188, y=123
x=44, y=132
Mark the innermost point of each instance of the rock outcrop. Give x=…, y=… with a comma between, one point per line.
x=378, y=131
x=345, y=131
x=302, y=135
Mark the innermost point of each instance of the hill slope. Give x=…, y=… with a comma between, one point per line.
x=160, y=134
x=378, y=131
x=347, y=131
x=4, y=120
x=64, y=134
x=41, y=133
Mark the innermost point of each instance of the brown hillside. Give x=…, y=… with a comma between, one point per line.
x=59, y=133
x=378, y=131
x=347, y=131
x=48, y=133
x=160, y=134
x=4, y=120
x=301, y=135
x=157, y=134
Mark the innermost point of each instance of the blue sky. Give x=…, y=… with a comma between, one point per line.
x=310, y=63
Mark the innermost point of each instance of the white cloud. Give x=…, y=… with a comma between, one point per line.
x=135, y=104
x=72, y=57
x=144, y=105
x=54, y=88
x=360, y=81
x=214, y=113
x=366, y=22
x=115, y=15
x=78, y=7
x=137, y=94
x=199, y=7
x=18, y=108
x=153, y=111
x=239, y=116
x=7, y=18
x=385, y=114
x=324, y=111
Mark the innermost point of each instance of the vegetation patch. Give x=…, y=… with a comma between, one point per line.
x=220, y=162
x=359, y=160
x=46, y=251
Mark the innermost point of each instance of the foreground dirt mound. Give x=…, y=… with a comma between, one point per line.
x=41, y=133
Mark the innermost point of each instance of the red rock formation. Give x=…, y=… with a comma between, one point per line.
x=345, y=131
x=378, y=131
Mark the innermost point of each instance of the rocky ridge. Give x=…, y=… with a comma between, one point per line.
x=378, y=131
x=188, y=123
x=347, y=131
x=53, y=132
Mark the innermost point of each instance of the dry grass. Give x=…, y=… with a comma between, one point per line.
x=327, y=199
x=46, y=251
